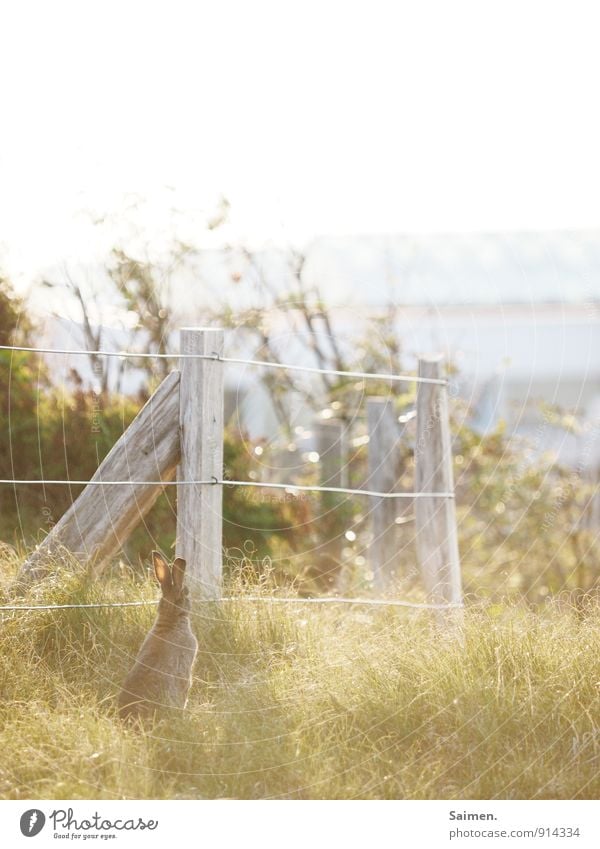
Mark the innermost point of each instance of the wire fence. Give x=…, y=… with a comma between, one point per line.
x=243, y=598
x=406, y=378
x=213, y=481
x=289, y=487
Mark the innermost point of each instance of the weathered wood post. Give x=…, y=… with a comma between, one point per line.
x=329, y=440
x=199, y=507
x=329, y=435
x=436, y=531
x=384, y=444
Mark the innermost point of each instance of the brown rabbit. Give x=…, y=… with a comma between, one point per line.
x=162, y=673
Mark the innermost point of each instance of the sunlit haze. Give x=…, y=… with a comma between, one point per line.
x=311, y=118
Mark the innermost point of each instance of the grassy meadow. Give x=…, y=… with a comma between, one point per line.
x=300, y=701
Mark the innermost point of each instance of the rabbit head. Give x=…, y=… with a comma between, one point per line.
x=175, y=595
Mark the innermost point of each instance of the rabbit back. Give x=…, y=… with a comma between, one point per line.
x=161, y=676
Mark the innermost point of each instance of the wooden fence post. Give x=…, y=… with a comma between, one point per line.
x=384, y=437
x=329, y=440
x=436, y=531
x=200, y=508
x=330, y=447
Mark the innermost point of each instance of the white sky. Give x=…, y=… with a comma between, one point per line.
x=312, y=118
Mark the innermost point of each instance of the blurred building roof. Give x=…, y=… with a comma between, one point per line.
x=484, y=268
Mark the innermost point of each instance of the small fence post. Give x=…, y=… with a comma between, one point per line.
x=330, y=447
x=200, y=508
x=436, y=531
x=329, y=440
x=384, y=436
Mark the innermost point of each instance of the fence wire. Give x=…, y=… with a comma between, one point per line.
x=214, y=481
x=406, y=378
x=290, y=487
x=264, y=599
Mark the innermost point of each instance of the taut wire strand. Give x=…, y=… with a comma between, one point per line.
x=215, y=482
x=407, y=378
x=265, y=599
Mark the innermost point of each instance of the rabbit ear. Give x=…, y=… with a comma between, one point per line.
x=178, y=573
x=161, y=570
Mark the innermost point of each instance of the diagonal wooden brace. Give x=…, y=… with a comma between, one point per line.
x=102, y=517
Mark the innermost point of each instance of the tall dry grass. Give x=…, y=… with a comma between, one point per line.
x=294, y=701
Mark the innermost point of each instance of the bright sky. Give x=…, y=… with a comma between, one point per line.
x=311, y=117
